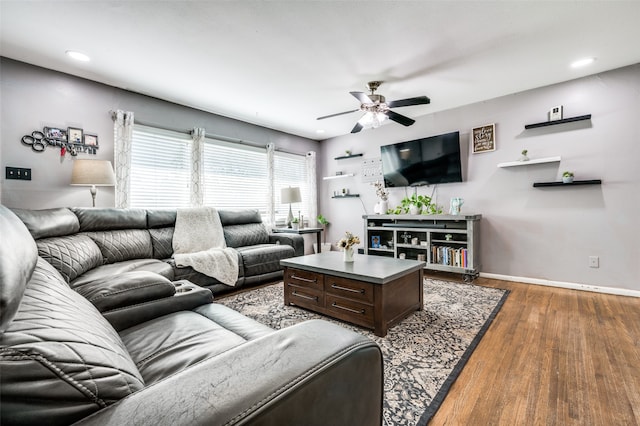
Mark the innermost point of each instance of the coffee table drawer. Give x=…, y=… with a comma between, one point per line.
x=351, y=289
x=349, y=310
x=304, y=278
x=304, y=297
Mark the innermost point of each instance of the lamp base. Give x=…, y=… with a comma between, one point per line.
x=93, y=191
x=290, y=217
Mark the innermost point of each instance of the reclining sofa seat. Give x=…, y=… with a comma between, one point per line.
x=89, y=244
x=61, y=362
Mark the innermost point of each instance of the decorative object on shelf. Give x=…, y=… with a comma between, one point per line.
x=288, y=196
x=347, y=243
x=424, y=243
x=567, y=177
x=93, y=173
x=295, y=223
x=415, y=204
x=390, y=244
x=405, y=237
x=555, y=113
x=524, y=155
x=448, y=237
x=414, y=241
x=402, y=256
x=347, y=152
x=484, y=138
x=382, y=193
x=375, y=241
x=344, y=191
x=455, y=205
x=422, y=257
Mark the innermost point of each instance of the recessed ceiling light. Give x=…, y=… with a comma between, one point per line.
x=77, y=56
x=582, y=62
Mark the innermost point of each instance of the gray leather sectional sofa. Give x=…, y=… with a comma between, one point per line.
x=166, y=354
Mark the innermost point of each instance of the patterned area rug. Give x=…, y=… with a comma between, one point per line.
x=423, y=354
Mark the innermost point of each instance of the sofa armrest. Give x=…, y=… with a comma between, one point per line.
x=294, y=240
x=312, y=373
x=186, y=296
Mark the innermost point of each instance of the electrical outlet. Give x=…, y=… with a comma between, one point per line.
x=17, y=173
x=594, y=262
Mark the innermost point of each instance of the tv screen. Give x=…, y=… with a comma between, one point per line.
x=425, y=161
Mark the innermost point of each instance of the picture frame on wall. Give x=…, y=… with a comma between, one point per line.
x=55, y=133
x=483, y=138
x=91, y=139
x=74, y=135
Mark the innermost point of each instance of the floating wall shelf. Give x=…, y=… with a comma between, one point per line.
x=346, y=196
x=530, y=162
x=575, y=182
x=347, y=156
x=338, y=176
x=554, y=122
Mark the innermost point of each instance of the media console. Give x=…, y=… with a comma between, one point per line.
x=447, y=243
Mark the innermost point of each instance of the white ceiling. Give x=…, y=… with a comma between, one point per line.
x=281, y=64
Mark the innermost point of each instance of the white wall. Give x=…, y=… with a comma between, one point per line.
x=33, y=98
x=537, y=233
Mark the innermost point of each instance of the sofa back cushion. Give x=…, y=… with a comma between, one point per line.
x=123, y=244
x=49, y=222
x=162, y=241
x=72, y=255
x=60, y=359
x=249, y=234
x=108, y=219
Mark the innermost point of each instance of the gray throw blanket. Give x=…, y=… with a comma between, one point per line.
x=198, y=241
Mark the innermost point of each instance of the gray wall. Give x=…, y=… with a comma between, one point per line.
x=34, y=97
x=531, y=233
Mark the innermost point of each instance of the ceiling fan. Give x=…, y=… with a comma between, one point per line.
x=376, y=109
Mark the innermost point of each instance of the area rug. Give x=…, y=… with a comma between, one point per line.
x=423, y=354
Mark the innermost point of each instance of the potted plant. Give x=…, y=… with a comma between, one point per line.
x=414, y=204
x=295, y=223
x=524, y=155
x=325, y=246
x=567, y=177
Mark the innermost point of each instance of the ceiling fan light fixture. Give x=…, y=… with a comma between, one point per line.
x=78, y=56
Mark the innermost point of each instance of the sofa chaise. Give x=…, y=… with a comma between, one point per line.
x=187, y=361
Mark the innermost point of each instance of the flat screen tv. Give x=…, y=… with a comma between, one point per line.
x=425, y=161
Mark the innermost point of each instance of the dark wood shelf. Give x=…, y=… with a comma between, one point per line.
x=554, y=122
x=575, y=182
x=346, y=196
x=347, y=156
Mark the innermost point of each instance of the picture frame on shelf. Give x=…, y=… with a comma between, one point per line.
x=74, y=135
x=483, y=138
x=375, y=241
x=91, y=140
x=55, y=133
x=555, y=113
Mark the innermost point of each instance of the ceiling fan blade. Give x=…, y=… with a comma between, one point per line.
x=335, y=115
x=362, y=97
x=420, y=100
x=357, y=128
x=405, y=121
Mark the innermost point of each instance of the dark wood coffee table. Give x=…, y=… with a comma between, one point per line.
x=374, y=292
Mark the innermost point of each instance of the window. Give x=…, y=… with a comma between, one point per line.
x=160, y=168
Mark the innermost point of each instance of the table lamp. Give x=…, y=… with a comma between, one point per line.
x=290, y=195
x=93, y=173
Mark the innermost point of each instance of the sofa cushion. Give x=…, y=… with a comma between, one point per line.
x=112, y=269
x=264, y=258
x=60, y=359
x=159, y=347
x=124, y=244
x=107, y=219
x=162, y=242
x=49, y=222
x=247, y=234
x=72, y=255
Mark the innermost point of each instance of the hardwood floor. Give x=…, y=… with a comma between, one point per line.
x=551, y=357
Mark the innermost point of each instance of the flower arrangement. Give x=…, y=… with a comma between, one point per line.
x=348, y=241
x=381, y=191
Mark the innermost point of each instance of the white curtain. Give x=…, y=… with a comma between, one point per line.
x=122, y=135
x=197, y=166
x=312, y=207
x=271, y=208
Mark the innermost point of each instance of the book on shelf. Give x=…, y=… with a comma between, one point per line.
x=450, y=256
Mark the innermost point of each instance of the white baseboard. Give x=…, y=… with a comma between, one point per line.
x=573, y=286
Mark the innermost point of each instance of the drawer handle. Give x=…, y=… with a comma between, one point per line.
x=352, y=290
x=295, y=277
x=355, y=311
x=304, y=296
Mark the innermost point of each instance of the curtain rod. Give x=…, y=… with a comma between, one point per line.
x=211, y=136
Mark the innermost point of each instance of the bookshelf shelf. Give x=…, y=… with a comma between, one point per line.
x=344, y=157
x=555, y=122
x=567, y=185
x=530, y=162
x=346, y=196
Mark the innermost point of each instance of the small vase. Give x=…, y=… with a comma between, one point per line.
x=413, y=209
x=383, y=206
x=524, y=158
x=348, y=254
x=567, y=179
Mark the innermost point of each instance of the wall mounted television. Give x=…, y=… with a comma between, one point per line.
x=426, y=161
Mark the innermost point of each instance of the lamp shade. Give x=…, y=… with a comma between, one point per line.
x=290, y=195
x=93, y=172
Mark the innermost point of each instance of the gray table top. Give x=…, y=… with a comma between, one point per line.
x=373, y=269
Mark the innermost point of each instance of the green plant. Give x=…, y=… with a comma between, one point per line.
x=567, y=174
x=324, y=222
x=420, y=201
x=524, y=152
x=295, y=220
